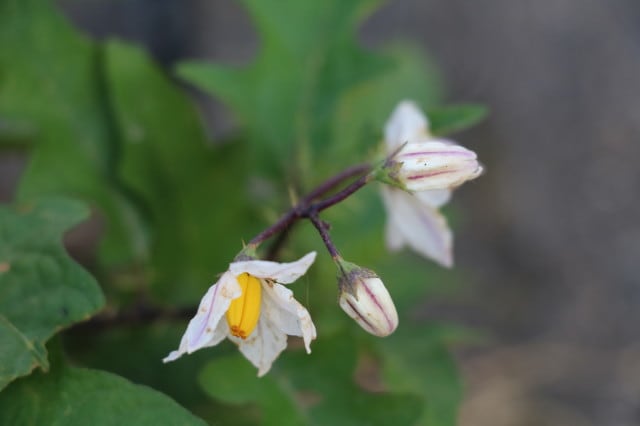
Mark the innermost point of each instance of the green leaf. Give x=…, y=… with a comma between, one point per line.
x=450, y=119
x=15, y=133
x=164, y=144
x=144, y=348
x=288, y=96
x=365, y=108
x=416, y=359
x=51, y=85
x=232, y=379
x=79, y=397
x=326, y=376
x=316, y=389
x=42, y=290
x=196, y=195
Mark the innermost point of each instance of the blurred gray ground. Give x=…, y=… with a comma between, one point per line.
x=551, y=238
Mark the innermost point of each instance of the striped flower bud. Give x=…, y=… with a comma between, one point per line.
x=433, y=164
x=364, y=298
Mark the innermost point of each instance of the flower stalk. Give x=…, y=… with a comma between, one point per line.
x=323, y=230
x=308, y=207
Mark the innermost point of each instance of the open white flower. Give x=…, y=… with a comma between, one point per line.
x=259, y=311
x=430, y=168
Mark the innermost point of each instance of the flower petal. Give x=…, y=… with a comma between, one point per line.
x=406, y=124
x=284, y=273
x=393, y=236
x=206, y=329
x=420, y=226
x=283, y=310
x=263, y=346
x=435, y=198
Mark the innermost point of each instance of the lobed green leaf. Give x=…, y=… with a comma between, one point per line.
x=52, y=95
x=42, y=290
x=289, y=95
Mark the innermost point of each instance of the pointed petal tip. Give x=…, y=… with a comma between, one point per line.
x=171, y=357
x=308, y=338
x=406, y=123
x=408, y=106
x=445, y=260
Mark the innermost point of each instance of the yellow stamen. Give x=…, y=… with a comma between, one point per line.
x=244, y=311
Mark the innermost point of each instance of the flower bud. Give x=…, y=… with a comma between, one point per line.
x=364, y=298
x=433, y=164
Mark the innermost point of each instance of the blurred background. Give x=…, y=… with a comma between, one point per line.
x=550, y=237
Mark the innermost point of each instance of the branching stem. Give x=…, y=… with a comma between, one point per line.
x=308, y=205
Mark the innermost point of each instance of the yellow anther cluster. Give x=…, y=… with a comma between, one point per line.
x=244, y=311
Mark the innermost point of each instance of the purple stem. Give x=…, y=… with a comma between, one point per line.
x=306, y=206
x=334, y=181
x=323, y=230
x=285, y=220
x=335, y=199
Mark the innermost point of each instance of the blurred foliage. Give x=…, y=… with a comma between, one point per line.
x=52, y=83
x=187, y=188
x=42, y=290
x=445, y=120
x=102, y=123
x=72, y=396
x=289, y=94
x=301, y=391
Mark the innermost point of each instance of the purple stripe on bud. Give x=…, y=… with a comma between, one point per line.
x=368, y=302
x=435, y=165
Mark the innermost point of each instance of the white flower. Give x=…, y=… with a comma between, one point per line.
x=364, y=298
x=415, y=221
x=429, y=168
x=259, y=311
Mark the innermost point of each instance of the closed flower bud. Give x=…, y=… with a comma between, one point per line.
x=364, y=298
x=433, y=164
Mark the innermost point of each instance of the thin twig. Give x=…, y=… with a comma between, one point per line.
x=323, y=230
x=306, y=205
x=336, y=180
x=276, y=246
x=335, y=199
